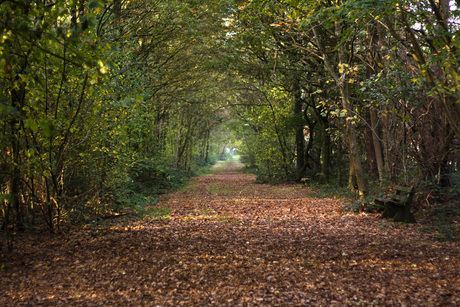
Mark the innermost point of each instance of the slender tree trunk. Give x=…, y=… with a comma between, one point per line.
x=352, y=183
x=325, y=148
x=306, y=153
x=371, y=164
x=355, y=157
x=374, y=65
x=376, y=143
x=325, y=154
x=341, y=80
x=207, y=147
x=447, y=101
x=17, y=102
x=281, y=142
x=339, y=163
x=299, y=138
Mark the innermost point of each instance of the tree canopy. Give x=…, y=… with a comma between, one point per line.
x=106, y=104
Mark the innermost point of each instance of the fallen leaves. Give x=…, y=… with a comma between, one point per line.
x=229, y=242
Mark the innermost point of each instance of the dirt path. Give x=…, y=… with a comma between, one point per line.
x=230, y=242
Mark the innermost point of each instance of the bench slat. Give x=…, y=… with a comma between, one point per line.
x=397, y=206
x=399, y=198
x=404, y=189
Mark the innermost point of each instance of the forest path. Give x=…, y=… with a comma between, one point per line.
x=228, y=241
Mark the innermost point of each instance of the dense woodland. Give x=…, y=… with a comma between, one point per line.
x=106, y=104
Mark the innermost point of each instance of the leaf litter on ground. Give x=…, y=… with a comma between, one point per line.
x=228, y=241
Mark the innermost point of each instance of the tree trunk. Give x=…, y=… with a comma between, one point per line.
x=352, y=183
x=17, y=102
x=373, y=66
x=341, y=80
x=339, y=163
x=447, y=101
x=325, y=156
x=325, y=145
x=376, y=143
x=371, y=164
x=299, y=138
x=206, y=159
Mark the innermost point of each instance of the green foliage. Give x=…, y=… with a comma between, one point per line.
x=105, y=106
x=53, y=59
x=442, y=220
x=150, y=178
x=95, y=120
x=266, y=135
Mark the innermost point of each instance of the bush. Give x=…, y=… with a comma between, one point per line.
x=150, y=178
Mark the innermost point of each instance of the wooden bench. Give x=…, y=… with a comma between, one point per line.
x=397, y=206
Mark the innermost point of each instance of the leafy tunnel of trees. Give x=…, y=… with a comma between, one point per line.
x=106, y=104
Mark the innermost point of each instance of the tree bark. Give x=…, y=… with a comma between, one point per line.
x=342, y=83
x=299, y=137
x=339, y=163
x=376, y=143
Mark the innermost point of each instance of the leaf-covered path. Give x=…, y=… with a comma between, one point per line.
x=231, y=242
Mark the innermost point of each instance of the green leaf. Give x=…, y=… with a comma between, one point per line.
x=95, y=4
x=4, y=197
x=49, y=129
x=32, y=124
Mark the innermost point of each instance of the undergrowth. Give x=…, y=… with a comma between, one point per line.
x=437, y=209
x=443, y=221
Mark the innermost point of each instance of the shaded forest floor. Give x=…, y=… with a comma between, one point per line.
x=224, y=240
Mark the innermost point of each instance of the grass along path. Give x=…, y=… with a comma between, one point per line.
x=225, y=241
